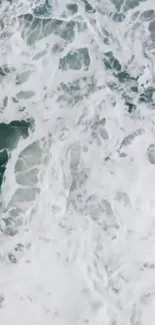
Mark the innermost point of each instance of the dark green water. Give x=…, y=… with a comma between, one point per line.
x=10, y=134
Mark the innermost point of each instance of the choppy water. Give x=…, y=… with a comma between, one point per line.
x=77, y=155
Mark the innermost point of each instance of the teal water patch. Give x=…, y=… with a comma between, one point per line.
x=75, y=60
x=3, y=161
x=25, y=94
x=5, y=69
x=134, y=89
x=111, y=62
x=9, y=137
x=34, y=28
x=148, y=14
x=11, y=133
x=127, y=85
x=118, y=17
x=130, y=107
x=44, y=9
x=117, y=4
x=72, y=8
x=23, y=77
x=131, y=4
x=147, y=95
x=76, y=91
x=124, y=76
x=126, y=5
x=151, y=28
x=88, y=7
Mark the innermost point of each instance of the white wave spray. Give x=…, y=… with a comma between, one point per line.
x=77, y=205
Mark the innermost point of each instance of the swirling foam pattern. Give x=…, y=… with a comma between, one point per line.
x=77, y=162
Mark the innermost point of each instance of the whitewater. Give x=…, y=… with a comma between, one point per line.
x=77, y=225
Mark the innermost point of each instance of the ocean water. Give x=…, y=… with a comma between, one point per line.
x=77, y=162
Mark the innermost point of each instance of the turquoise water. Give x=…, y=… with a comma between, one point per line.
x=9, y=136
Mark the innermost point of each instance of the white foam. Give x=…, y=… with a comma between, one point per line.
x=87, y=238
